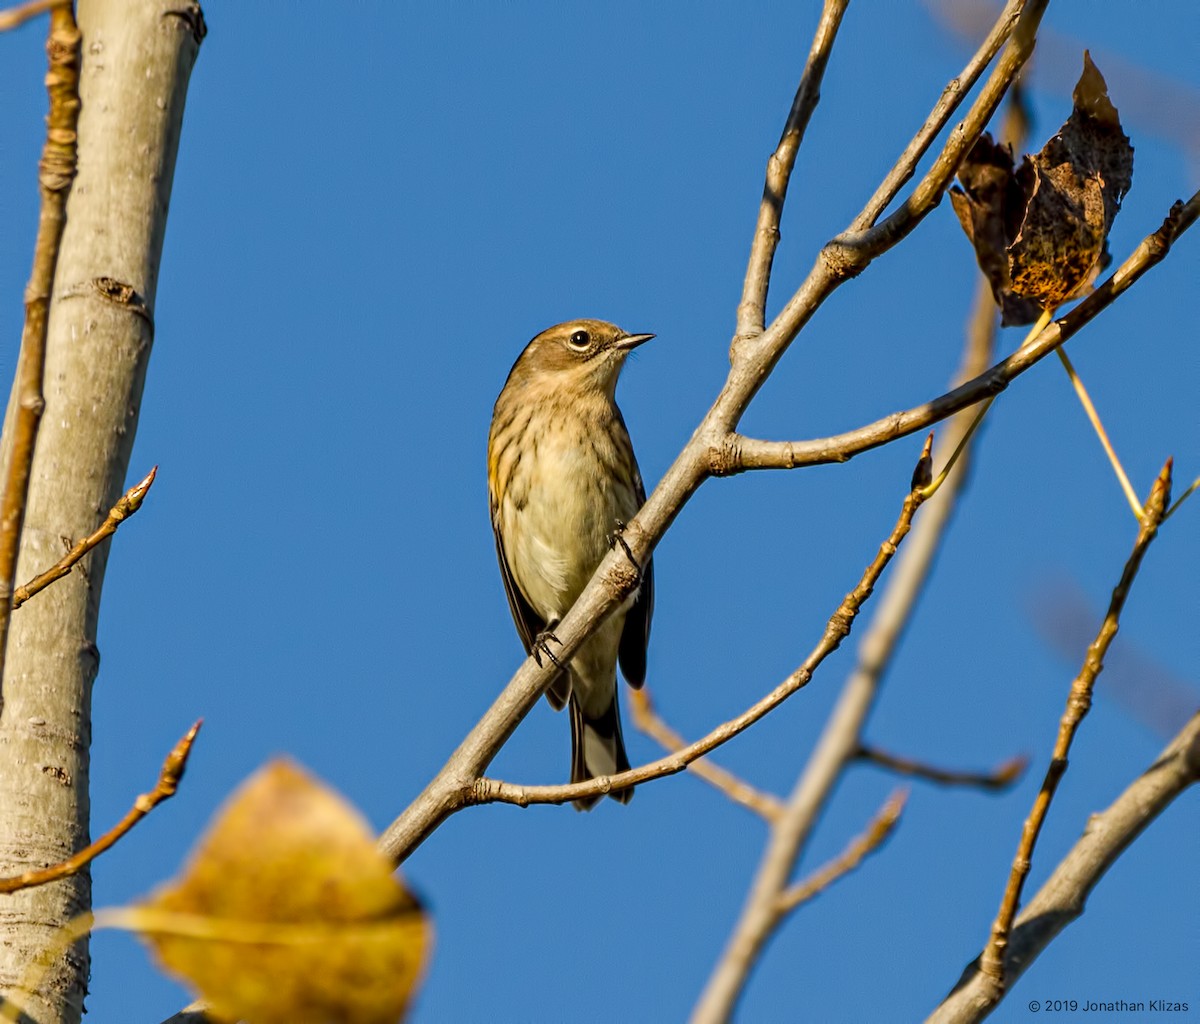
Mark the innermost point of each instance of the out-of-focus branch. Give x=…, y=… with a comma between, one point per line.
x=1064, y=895
x=130, y=502
x=841, y=736
x=14, y=16
x=750, y=312
x=857, y=850
x=1079, y=702
x=168, y=782
x=837, y=629
x=647, y=719
x=1001, y=777
x=56, y=172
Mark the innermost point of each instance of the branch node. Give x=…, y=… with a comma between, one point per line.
x=725, y=458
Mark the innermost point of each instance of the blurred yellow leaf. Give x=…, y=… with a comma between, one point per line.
x=286, y=912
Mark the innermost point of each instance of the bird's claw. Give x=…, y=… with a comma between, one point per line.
x=541, y=645
x=617, y=537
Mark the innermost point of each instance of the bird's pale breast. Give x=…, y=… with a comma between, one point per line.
x=560, y=520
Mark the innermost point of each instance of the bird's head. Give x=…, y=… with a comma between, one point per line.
x=579, y=355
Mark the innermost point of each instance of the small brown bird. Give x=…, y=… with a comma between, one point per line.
x=562, y=479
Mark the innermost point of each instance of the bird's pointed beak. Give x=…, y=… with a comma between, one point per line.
x=632, y=341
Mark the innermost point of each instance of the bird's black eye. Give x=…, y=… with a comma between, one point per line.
x=580, y=339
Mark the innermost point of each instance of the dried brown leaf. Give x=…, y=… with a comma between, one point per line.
x=1040, y=232
x=286, y=912
x=990, y=205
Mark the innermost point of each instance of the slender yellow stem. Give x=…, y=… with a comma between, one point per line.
x=930, y=489
x=1183, y=497
x=1086, y=401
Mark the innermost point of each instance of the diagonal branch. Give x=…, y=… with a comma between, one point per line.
x=1002, y=777
x=857, y=850
x=868, y=242
x=851, y=252
x=14, y=16
x=1064, y=895
x=1079, y=702
x=842, y=734
x=951, y=97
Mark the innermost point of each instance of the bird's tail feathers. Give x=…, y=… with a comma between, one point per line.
x=597, y=748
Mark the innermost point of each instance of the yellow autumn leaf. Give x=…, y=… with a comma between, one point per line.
x=286, y=912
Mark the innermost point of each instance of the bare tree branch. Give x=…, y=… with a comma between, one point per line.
x=1001, y=777
x=14, y=16
x=1079, y=702
x=614, y=580
x=751, y=310
x=951, y=97
x=841, y=737
x=55, y=175
x=857, y=850
x=737, y=453
x=1064, y=895
x=870, y=241
x=647, y=719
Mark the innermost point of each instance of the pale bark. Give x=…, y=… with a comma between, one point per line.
x=137, y=58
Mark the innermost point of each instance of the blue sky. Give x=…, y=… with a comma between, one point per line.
x=375, y=207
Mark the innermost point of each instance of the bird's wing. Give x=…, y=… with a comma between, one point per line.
x=529, y=623
x=635, y=637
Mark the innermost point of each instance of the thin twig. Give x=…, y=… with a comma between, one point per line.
x=980, y=413
x=55, y=174
x=857, y=850
x=751, y=310
x=1065, y=893
x=1078, y=704
x=14, y=16
x=647, y=719
x=487, y=790
x=130, y=502
x=951, y=97
x=168, y=782
x=1094, y=418
x=865, y=242
x=1001, y=777
x=1192, y=487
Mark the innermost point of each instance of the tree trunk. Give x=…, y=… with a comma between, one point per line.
x=137, y=57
